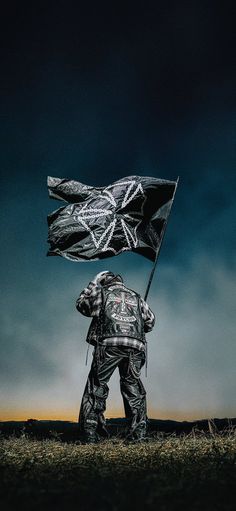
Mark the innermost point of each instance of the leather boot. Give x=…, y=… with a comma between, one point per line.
x=138, y=434
x=90, y=437
x=88, y=429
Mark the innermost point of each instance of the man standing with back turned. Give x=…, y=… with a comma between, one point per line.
x=117, y=331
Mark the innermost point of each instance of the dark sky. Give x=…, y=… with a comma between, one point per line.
x=97, y=92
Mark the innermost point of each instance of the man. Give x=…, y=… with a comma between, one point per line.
x=120, y=320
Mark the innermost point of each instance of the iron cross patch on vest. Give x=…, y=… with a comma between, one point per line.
x=121, y=315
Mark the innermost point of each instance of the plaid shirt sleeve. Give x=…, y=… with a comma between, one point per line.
x=148, y=316
x=90, y=300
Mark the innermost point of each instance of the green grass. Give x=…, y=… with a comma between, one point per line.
x=190, y=472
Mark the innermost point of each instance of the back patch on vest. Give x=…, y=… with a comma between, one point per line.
x=120, y=306
x=121, y=313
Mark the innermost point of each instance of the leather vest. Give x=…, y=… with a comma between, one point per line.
x=121, y=314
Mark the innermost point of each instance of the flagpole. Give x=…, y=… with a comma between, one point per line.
x=162, y=237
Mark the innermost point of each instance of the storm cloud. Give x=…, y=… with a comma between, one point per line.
x=191, y=352
x=95, y=95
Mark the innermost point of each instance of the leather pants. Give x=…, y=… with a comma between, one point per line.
x=105, y=360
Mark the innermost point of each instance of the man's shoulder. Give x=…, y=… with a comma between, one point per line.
x=119, y=285
x=122, y=288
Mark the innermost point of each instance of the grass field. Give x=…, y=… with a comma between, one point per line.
x=190, y=472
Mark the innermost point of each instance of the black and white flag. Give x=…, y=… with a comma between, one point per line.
x=128, y=215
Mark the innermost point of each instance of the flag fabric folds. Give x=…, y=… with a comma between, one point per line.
x=99, y=222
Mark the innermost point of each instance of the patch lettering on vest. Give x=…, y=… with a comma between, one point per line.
x=121, y=314
x=121, y=307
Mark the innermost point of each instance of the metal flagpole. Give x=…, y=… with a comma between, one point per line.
x=155, y=263
x=162, y=237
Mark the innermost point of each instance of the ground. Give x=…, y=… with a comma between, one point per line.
x=190, y=472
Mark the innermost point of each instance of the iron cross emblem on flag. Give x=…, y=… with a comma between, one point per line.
x=100, y=222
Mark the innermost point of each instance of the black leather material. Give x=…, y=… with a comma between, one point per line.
x=99, y=222
x=121, y=314
x=105, y=360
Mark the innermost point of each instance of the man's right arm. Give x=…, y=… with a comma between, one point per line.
x=90, y=300
x=148, y=316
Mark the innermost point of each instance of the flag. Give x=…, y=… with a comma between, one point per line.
x=98, y=222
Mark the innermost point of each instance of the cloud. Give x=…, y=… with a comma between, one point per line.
x=191, y=352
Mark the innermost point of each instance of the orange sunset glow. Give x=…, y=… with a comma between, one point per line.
x=24, y=414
